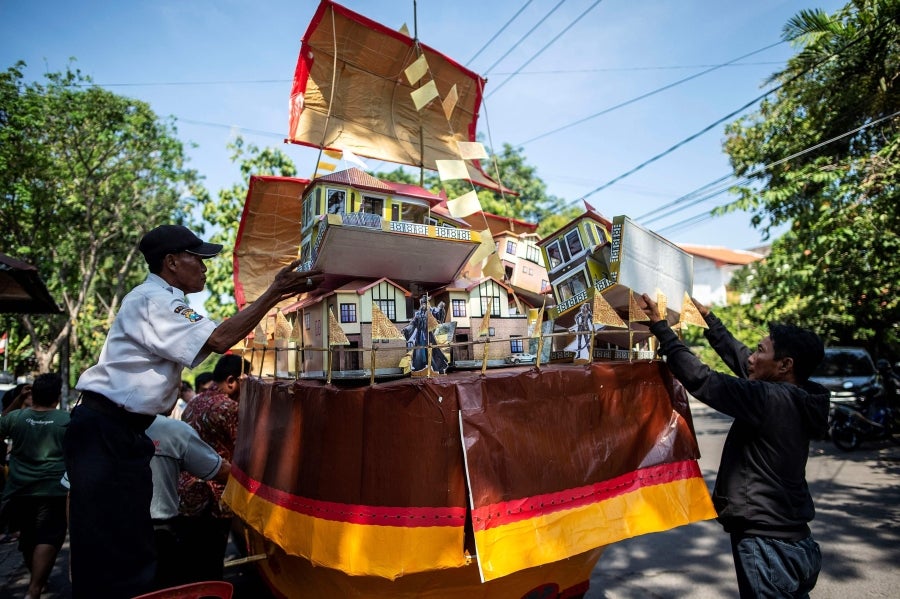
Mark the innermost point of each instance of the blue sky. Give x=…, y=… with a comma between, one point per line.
x=224, y=67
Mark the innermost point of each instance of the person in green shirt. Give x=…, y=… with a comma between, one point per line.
x=35, y=495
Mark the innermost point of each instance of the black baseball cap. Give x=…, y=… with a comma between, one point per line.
x=171, y=239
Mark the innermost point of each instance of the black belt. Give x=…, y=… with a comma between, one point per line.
x=104, y=405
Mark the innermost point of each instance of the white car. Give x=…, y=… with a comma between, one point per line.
x=521, y=359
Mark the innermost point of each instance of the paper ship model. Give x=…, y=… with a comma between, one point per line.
x=353, y=479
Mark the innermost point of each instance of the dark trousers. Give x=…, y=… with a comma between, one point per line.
x=111, y=538
x=205, y=539
x=768, y=567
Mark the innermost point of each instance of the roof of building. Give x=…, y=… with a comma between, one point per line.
x=360, y=179
x=722, y=255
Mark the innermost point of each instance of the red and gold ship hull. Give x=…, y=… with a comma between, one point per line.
x=469, y=484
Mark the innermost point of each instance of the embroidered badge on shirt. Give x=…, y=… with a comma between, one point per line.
x=188, y=313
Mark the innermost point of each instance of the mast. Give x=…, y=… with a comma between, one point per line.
x=421, y=127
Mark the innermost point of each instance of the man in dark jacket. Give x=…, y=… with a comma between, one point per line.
x=761, y=495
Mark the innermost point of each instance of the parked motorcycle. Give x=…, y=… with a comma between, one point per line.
x=854, y=424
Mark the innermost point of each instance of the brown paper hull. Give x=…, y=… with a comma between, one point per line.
x=393, y=489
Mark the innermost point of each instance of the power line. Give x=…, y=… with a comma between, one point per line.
x=547, y=45
x=522, y=39
x=862, y=35
x=651, y=68
x=647, y=95
x=180, y=83
x=746, y=178
x=501, y=30
x=550, y=72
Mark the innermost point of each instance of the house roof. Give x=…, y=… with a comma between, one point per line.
x=360, y=179
x=500, y=224
x=589, y=212
x=720, y=255
x=22, y=290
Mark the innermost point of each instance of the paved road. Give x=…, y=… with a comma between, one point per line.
x=858, y=525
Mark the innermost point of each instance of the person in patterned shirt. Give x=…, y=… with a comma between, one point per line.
x=214, y=415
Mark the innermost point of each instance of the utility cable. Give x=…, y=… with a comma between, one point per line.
x=501, y=30
x=862, y=35
x=647, y=95
x=746, y=178
x=524, y=37
x=547, y=45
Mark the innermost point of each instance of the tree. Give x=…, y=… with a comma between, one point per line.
x=225, y=216
x=83, y=174
x=836, y=117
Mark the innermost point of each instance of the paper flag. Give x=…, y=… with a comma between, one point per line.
x=485, y=329
x=336, y=335
x=424, y=95
x=471, y=150
x=452, y=169
x=404, y=30
x=260, y=339
x=464, y=205
x=336, y=154
x=382, y=327
x=282, y=327
x=325, y=166
x=519, y=308
x=690, y=314
x=605, y=314
x=662, y=303
x=417, y=69
x=493, y=267
x=354, y=159
x=635, y=312
x=485, y=249
x=449, y=103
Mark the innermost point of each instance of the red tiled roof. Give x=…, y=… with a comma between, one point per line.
x=721, y=255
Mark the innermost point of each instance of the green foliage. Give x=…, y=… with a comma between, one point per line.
x=836, y=117
x=224, y=216
x=83, y=174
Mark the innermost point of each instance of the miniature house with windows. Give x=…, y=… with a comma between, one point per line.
x=353, y=227
x=577, y=261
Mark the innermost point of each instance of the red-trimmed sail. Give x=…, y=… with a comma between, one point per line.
x=350, y=93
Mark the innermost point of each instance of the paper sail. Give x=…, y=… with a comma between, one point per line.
x=269, y=235
x=635, y=312
x=690, y=314
x=352, y=94
x=432, y=322
x=449, y=102
x=661, y=303
x=336, y=335
x=605, y=314
x=282, y=327
x=382, y=327
x=485, y=329
x=260, y=339
x=493, y=267
x=296, y=335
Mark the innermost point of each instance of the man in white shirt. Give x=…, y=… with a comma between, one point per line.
x=178, y=447
x=153, y=337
